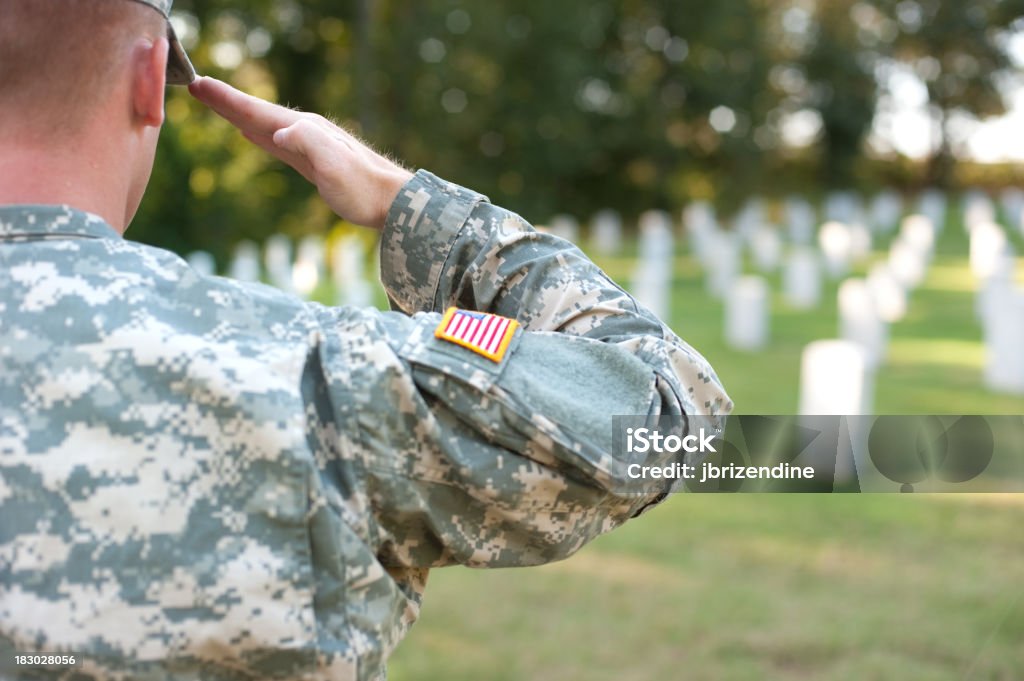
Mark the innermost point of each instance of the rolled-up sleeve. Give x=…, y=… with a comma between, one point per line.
x=444, y=245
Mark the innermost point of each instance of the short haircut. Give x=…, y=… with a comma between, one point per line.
x=58, y=57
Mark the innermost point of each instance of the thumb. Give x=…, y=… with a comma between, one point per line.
x=309, y=140
x=290, y=139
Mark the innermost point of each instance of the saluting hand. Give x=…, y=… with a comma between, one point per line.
x=358, y=183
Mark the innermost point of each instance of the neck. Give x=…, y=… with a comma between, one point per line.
x=82, y=175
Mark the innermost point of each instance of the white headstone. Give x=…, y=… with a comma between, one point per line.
x=860, y=242
x=723, y=263
x=750, y=218
x=203, y=263
x=1004, y=363
x=918, y=232
x=766, y=248
x=606, y=232
x=978, y=208
x=311, y=249
x=988, y=245
x=836, y=242
x=699, y=217
x=885, y=212
x=1003, y=276
x=800, y=219
x=309, y=265
x=843, y=206
x=834, y=379
x=802, y=278
x=933, y=206
x=245, y=263
x=1013, y=208
x=653, y=292
x=860, y=322
x=656, y=226
x=907, y=264
x=348, y=273
x=702, y=240
x=277, y=257
x=746, y=314
x=565, y=226
x=652, y=280
x=888, y=293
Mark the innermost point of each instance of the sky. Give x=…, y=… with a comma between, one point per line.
x=903, y=124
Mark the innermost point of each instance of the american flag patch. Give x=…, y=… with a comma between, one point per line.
x=484, y=334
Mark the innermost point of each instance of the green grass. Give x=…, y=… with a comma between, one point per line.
x=723, y=587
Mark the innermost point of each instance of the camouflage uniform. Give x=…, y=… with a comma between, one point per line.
x=201, y=478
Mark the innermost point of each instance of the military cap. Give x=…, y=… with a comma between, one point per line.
x=179, y=68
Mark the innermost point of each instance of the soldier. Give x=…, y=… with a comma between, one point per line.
x=201, y=478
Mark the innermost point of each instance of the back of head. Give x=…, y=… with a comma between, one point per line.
x=60, y=58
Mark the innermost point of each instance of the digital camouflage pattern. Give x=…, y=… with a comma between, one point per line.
x=206, y=479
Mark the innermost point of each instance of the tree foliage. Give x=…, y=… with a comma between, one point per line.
x=565, y=106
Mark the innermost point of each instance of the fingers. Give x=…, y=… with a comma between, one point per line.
x=248, y=113
x=357, y=183
x=301, y=140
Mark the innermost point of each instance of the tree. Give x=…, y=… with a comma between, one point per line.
x=953, y=48
x=840, y=65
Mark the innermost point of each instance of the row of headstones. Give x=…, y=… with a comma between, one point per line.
x=999, y=303
x=866, y=306
x=837, y=376
x=301, y=273
x=880, y=215
x=721, y=252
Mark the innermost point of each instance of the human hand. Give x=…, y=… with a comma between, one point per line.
x=356, y=182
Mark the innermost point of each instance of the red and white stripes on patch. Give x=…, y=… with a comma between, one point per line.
x=485, y=334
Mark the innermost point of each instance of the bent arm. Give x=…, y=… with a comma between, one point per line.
x=492, y=464
x=461, y=458
x=444, y=245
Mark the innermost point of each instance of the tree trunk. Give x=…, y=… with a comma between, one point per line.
x=364, y=65
x=942, y=163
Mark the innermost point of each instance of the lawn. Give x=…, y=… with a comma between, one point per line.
x=724, y=587
x=719, y=587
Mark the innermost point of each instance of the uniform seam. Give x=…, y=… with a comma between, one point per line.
x=435, y=303
x=323, y=343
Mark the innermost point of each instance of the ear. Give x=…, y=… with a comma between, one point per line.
x=149, y=76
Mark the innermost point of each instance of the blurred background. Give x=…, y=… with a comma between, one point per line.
x=766, y=174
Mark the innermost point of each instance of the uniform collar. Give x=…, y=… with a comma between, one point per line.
x=52, y=221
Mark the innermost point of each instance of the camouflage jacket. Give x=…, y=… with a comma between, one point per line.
x=206, y=479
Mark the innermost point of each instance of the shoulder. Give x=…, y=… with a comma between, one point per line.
x=238, y=308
